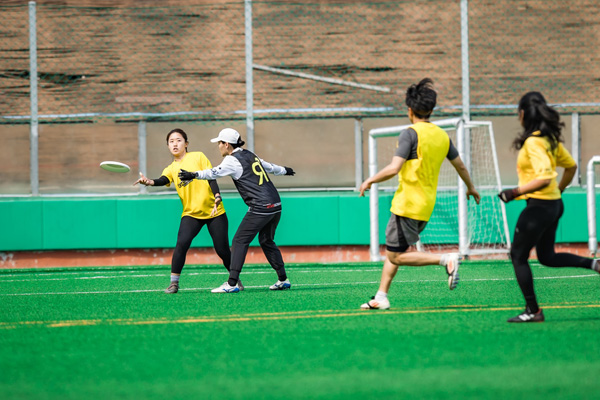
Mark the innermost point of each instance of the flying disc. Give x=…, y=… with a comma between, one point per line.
x=114, y=166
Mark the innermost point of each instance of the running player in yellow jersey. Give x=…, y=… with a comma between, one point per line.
x=201, y=201
x=419, y=155
x=540, y=152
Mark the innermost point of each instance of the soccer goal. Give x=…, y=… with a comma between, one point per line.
x=591, y=204
x=457, y=225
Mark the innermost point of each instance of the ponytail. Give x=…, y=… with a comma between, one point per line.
x=538, y=116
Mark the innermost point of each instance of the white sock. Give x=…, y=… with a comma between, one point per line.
x=174, y=278
x=380, y=295
x=444, y=259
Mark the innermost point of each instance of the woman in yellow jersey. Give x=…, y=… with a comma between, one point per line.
x=540, y=152
x=201, y=201
x=419, y=155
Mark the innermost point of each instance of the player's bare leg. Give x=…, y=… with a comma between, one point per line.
x=419, y=259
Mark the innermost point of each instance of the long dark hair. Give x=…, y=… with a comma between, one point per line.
x=539, y=116
x=181, y=132
x=421, y=98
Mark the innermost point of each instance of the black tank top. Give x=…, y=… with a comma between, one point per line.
x=255, y=185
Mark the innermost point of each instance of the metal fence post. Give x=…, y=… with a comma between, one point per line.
x=142, y=153
x=249, y=76
x=358, y=152
x=576, y=146
x=33, y=98
x=464, y=51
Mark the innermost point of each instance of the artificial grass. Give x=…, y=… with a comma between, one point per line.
x=112, y=333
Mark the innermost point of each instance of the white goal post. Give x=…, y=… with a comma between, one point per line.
x=456, y=224
x=591, y=205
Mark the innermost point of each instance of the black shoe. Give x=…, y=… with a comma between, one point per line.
x=173, y=288
x=528, y=316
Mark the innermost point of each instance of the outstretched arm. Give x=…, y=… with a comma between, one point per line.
x=162, y=181
x=276, y=169
x=386, y=173
x=462, y=171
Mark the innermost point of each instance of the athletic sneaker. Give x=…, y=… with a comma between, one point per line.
x=376, y=304
x=225, y=288
x=596, y=265
x=281, y=285
x=527, y=316
x=173, y=288
x=454, y=262
x=239, y=284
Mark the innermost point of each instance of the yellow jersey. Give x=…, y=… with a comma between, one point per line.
x=197, y=198
x=418, y=178
x=537, y=160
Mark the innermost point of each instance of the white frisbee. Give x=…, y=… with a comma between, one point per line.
x=114, y=166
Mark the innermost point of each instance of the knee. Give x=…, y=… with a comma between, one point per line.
x=265, y=241
x=183, y=244
x=516, y=253
x=546, y=259
x=395, y=258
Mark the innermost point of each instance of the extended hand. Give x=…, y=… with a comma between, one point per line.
x=509, y=194
x=186, y=175
x=144, y=181
x=289, y=171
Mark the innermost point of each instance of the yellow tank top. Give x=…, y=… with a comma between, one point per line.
x=537, y=160
x=197, y=198
x=418, y=178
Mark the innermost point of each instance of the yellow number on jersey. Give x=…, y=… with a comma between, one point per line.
x=258, y=170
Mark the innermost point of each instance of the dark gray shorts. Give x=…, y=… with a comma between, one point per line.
x=402, y=232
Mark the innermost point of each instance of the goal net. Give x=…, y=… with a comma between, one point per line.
x=457, y=225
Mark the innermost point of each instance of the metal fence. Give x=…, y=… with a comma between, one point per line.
x=214, y=64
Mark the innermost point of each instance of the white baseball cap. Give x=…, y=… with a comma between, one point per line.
x=227, y=135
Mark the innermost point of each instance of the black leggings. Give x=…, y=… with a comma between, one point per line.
x=189, y=229
x=265, y=226
x=536, y=227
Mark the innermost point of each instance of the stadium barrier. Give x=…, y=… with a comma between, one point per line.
x=327, y=219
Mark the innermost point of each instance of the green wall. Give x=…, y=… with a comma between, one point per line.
x=309, y=219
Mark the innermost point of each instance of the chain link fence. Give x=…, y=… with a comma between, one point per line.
x=102, y=70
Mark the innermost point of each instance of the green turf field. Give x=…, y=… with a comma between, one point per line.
x=113, y=334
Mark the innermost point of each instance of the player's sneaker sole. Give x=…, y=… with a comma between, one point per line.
x=453, y=277
x=376, y=304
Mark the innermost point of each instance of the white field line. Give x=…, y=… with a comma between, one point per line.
x=188, y=289
x=294, y=285
x=43, y=277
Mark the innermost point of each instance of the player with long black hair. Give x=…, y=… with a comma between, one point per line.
x=420, y=151
x=249, y=174
x=540, y=152
x=202, y=205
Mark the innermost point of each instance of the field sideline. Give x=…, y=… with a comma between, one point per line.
x=113, y=333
